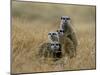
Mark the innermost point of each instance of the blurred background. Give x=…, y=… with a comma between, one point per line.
x=52, y=12
x=31, y=22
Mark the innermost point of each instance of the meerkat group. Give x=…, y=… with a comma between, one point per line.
x=50, y=50
x=61, y=42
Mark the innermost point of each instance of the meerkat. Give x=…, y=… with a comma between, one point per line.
x=54, y=39
x=66, y=44
x=47, y=49
x=68, y=30
x=53, y=36
x=56, y=49
x=52, y=50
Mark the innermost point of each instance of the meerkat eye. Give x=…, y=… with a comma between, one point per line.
x=53, y=44
x=56, y=44
x=53, y=34
x=49, y=33
x=62, y=30
x=68, y=18
x=64, y=18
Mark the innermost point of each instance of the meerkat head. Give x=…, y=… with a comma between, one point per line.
x=65, y=19
x=65, y=23
x=60, y=32
x=55, y=46
x=53, y=36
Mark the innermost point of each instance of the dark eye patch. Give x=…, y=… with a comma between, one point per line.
x=61, y=30
x=52, y=44
x=49, y=33
x=64, y=18
x=68, y=18
x=53, y=33
x=57, y=44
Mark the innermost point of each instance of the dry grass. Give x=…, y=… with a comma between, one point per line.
x=26, y=39
x=27, y=35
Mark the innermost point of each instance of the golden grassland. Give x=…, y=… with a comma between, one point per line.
x=28, y=34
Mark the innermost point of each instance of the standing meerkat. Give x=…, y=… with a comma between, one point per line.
x=68, y=30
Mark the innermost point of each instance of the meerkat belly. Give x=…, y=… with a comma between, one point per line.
x=67, y=47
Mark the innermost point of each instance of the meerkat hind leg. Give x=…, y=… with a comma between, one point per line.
x=69, y=48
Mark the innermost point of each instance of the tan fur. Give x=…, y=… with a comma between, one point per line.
x=44, y=50
x=69, y=34
x=68, y=47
